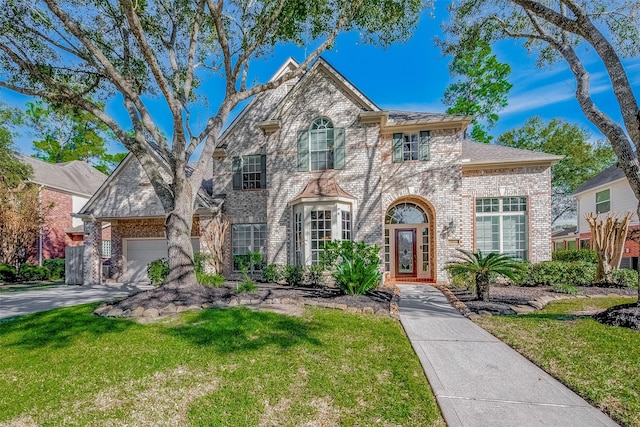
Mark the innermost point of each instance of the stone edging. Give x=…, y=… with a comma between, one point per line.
x=108, y=310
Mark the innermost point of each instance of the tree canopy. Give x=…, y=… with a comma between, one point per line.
x=582, y=159
x=481, y=90
x=12, y=170
x=159, y=52
x=67, y=133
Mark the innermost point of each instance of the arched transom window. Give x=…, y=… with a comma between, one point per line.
x=406, y=213
x=321, y=144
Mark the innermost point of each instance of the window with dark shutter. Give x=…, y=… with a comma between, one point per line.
x=236, y=169
x=303, y=150
x=425, y=145
x=397, y=147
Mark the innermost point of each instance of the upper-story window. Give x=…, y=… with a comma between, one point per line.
x=412, y=146
x=603, y=201
x=321, y=144
x=249, y=172
x=321, y=147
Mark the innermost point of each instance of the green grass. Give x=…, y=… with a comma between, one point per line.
x=26, y=286
x=214, y=367
x=601, y=363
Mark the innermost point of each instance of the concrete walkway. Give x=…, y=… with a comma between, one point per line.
x=19, y=303
x=477, y=379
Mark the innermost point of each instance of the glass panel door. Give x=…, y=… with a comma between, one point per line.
x=406, y=251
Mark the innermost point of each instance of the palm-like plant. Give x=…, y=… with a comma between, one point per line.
x=484, y=267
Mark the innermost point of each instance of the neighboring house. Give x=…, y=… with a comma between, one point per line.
x=316, y=160
x=609, y=191
x=66, y=187
x=565, y=238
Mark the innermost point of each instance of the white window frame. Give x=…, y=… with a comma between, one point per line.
x=303, y=251
x=606, y=201
x=322, y=125
x=252, y=248
x=410, y=146
x=494, y=208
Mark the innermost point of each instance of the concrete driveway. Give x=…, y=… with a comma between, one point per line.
x=31, y=301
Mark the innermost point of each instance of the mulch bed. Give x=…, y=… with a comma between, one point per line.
x=162, y=301
x=509, y=300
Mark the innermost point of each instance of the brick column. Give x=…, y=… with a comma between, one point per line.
x=92, y=252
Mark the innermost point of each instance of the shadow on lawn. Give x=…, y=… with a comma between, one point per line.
x=59, y=328
x=239, y=329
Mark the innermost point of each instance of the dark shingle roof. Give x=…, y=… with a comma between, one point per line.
x=479, y=153
x=401, y=117
x=568, y=231
x=612, y=173
x=75, y=176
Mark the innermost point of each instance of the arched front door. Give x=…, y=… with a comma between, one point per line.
x=408, y=243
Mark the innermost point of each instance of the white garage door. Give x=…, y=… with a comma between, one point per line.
x=138, y=253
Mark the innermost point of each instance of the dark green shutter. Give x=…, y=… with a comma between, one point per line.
x=338, y=149
x=425, y=145
x=263, y=171
x=397, y=147
x=303, y=150
x=236, y=168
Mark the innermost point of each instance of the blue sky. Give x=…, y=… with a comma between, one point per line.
x=413, y=76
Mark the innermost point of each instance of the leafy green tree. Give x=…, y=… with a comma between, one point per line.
x=68, y=133
x=563, y=31
x=12, y=170
x=582, y=159
x=148, y=52
x=484, y=268
x=481, y=90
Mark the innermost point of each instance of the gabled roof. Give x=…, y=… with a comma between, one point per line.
x=477, y=153
x=567, y=231
x=321, y=65
x=611, y=174
x=74, y=177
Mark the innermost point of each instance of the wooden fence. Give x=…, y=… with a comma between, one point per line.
x=73, y=266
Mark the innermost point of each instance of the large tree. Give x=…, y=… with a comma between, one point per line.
x=159, y=52
x=12, y=170
x=480, y=90
x=562, y=31
x=67, y=133
x=582, y=159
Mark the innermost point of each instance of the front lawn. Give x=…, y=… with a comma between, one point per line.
x=213, y=367
x=24, y=286
x=601, y=363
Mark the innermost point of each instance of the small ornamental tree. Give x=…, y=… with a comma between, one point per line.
x=484, y=268
x=608, y=234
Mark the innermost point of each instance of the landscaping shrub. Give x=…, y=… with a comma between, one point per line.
x=29, y=272
x=314, y=275
x=575, y=255
x=563, y=288
x=7, y=273
x=293, y=274
x=579, y=273
x=246, y=286
x=355, y=265
x=210, y=279
x=55, y=266
x=272, y=273
x=158, y=271
x=625, y=278
x=199, y=259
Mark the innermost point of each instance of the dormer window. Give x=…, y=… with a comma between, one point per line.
x=321, y=147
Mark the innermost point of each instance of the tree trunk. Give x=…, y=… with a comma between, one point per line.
x=178, y=226
x=482, y=287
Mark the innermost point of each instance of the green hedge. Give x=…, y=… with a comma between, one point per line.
x=55, y=266
x=30, y=272
x=551, y=273
x=625, y=278
x=575, y=255
x=8, y=273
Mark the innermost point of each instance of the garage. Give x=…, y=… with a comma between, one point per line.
x=138, y=253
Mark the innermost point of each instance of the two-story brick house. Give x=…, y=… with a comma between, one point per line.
x=64, y=189
x=316, y=160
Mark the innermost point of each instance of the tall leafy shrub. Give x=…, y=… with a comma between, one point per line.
x=354, y=265
x=575, y=255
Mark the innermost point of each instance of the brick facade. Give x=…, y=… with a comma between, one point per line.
x=443, y=186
